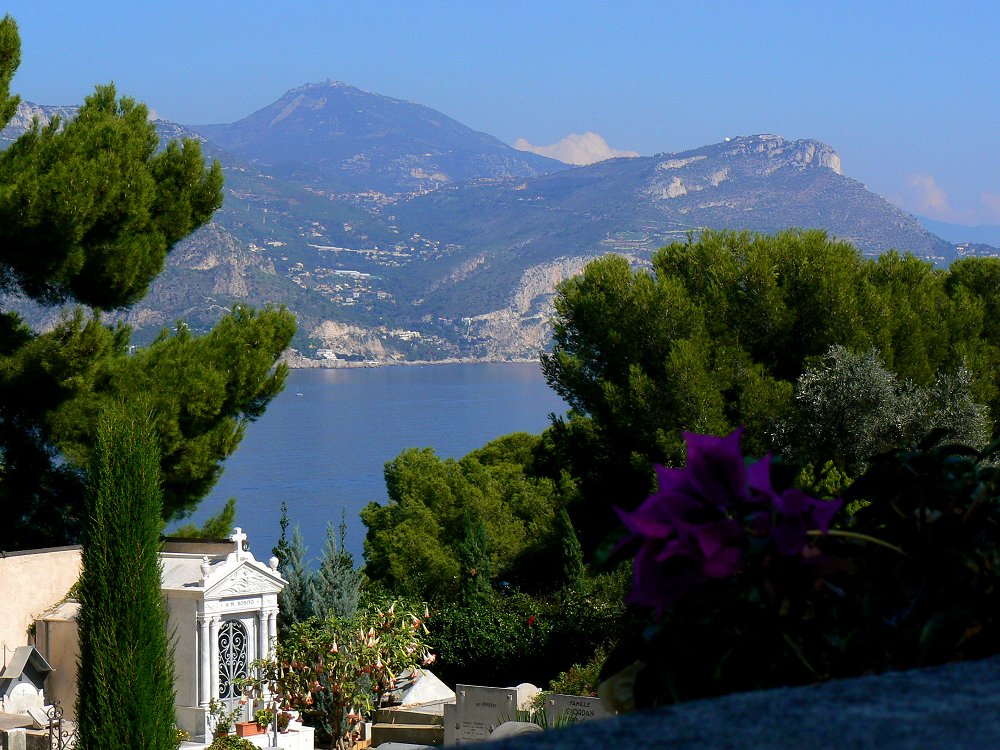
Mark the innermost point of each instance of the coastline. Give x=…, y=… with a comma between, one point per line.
x=297, y=361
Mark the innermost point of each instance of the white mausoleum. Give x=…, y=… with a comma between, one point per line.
x=222, y=614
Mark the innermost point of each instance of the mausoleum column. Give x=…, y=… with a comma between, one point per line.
x=262, y=644
x=213, y=657
x=272, y=628
x=204, y=661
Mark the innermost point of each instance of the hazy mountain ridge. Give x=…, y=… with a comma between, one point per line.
x=634, y=205
x=341, y=138
x=464, y=269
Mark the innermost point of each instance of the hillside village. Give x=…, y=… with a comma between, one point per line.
x=421, y=269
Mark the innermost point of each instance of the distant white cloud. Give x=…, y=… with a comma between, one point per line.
x=927, y=197
x=576, y=149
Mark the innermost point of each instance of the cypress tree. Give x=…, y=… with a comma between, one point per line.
x=126, y=675
x=474, y=559
x=570, y=551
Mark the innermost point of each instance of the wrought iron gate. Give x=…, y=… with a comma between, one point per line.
x=61, y=737
x=232, y=659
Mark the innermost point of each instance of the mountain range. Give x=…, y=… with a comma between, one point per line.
x=396, y=233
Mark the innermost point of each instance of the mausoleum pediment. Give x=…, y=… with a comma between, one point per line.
x=216, y=576
x=244, y=579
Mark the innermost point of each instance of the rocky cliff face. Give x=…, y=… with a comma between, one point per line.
x=756, y=156
x=204, y=276
x=26, y=113
x=522, y=329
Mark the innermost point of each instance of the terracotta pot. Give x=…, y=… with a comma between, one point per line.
x=248, y=728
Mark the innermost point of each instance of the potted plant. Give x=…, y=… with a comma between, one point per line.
x=283, y=718
x=249, y=728
x=263, y=717
x=221, y=717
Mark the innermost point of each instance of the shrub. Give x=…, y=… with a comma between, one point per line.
x=750, y=589
x=506, y=639
x=335, y=671
x=231, y=742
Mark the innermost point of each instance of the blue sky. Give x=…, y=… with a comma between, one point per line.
x=906, y=92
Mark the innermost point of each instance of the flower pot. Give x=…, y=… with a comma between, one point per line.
x=248, y=728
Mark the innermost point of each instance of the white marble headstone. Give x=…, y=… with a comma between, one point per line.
x=575, y=708
x=480, y=710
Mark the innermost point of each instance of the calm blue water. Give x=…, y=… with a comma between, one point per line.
x=323, y=442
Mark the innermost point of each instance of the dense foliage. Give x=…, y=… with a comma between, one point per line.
x=89, y=208
x=717, y=334
x=123, y=620
x=488, y=516
x=510, y=638
x=757, y=586
x=335, y=670
x=849, y=407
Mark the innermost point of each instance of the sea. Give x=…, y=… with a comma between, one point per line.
x=323, y=442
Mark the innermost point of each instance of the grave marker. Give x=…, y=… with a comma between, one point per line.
x=479, y=710
x=575, y=708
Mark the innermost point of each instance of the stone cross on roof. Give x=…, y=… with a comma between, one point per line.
x=238, y=537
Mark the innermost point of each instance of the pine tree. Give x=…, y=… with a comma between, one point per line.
x=218, y=526
x=337, y=581
x=295, y=602
x=126, y=696
x=89, y=209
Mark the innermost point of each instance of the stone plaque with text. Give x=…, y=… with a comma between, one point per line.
x=573, y=708
x=479, y=710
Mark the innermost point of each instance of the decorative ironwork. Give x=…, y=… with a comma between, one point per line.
x=232, y=658
x=61, y=737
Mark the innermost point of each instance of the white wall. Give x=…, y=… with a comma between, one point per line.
x=30, y=583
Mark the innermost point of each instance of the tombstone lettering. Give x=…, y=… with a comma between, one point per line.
x=479, y=710
x=573, y=709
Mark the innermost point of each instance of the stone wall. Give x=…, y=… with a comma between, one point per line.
x=30, y=583
x=956, y=706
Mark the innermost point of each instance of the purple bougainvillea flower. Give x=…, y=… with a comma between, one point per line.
x=715, y=466
x=759, y=480
x=694, y=528
x=686, y=528
x=798, y=513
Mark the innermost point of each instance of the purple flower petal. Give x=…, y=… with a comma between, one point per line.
x=823, y=512
x=793, y=502
x=645, y=525
x=759, y=479
x=694, y=528
x=713, y=537
x=715, y=466
x=727, y=562
x=675, y=547
x=798, y=513
x=789, y=536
